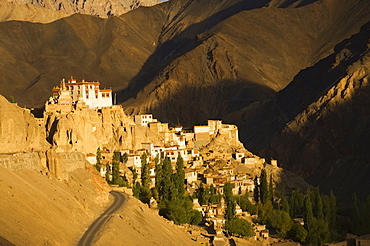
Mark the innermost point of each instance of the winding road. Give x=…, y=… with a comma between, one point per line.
x=88, y=238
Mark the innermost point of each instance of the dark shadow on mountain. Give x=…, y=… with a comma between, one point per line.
x=195, y=105
x=301, y=4
x=308, y=86
x=184, y=42
x=330, y=150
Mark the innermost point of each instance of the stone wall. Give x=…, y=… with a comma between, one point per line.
x=20, y=161
x=59, y=164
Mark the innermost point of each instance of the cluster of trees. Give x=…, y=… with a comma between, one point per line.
x=112, y=175
x=233, y=224
x=360, y=216
x=207, y=195
x=173, y=201
x=318, y=211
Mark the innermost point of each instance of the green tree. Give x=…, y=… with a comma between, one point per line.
x=115, y=167
x=284, y=204
x=180, y=176
x=317, y=204
x=136, y=190
x=158, y=173
x=98, y=160
x=245, y=204
x=134, y=175
x=11, y=99
x=355, y=216
x=256, y=193
x=271, y=189
x=196, y=218
x=240, y=227
x=263, y=211
x=280, y=220
x=264, y=192
x=107, y=173
x=229, y=201
x=298, y=233
x=213, y=197
x=145, y=172
x=308, y=214
x=125, y=157
x=166, y=182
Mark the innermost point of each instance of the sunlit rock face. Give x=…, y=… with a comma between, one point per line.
x=19, y=130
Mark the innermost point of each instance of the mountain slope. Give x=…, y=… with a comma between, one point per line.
x=236, y=56
x=45, y=11
x=221, y=55
x=318, y=126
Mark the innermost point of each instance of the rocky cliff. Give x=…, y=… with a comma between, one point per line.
x=19, y=130
x=46, y=11
x=318, y=126
x=87, y=129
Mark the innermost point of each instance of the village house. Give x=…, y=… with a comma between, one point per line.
x=144, y=119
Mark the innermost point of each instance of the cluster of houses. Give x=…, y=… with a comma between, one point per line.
x=198, y=167
x=202, y=165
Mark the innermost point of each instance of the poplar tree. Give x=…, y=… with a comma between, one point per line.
x=256, y=193
x=107, y=178
x=180, y=176
x=115, y=167
x=158, y=173
x=145, y=172
x=229, y=201
x=271, y=189
x=98, y=160
x=264, y=192
x=308, y=215
x=166, y=181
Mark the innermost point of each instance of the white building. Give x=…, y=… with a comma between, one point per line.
x=133, y=161
x=88, y=92
x=143, y=119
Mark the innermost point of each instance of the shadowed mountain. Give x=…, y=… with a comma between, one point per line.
x=192, y=47
x=229, y=45
x=319, y=125
x=46, y=11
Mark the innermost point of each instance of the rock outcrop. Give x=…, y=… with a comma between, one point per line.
x=19, y=130
x=87, y=129
x=46, y=11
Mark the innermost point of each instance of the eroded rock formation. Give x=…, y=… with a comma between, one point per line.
x=87, y=129
x=19, y=130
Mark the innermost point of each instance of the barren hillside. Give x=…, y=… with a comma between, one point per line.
x=45, y=11
x=318, y=126
x=42, y=210
x=136, y=224
x=220, y=56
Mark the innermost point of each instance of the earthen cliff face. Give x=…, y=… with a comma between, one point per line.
x=87, y=129
x=19, y=130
